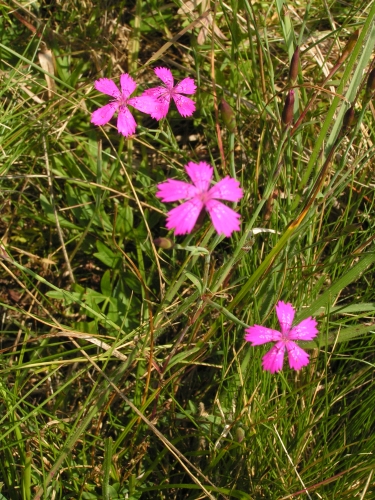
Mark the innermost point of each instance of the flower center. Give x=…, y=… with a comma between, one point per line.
x=123, y=101
x=204, y=196
x=285, y=336
x=165, y=96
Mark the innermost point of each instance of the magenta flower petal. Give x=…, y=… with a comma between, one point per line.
x=224, y=219
x=127, y=84
x=227, y=189
x=306, y=330
x=165, y=76
x=108, y=87
x=157, y=92
x=184, y=217
x=186, y=86
x=126, y=124
x=146, y=104
x=102, y=115
x=185, y=105
x=200, y=173
x=161, y=109
x=172, y=190
x=297, y=356
x=259, y=335
x=162, y=99
x=285, y=314
x=274, y=359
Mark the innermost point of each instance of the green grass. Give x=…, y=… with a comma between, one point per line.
x=123, y=367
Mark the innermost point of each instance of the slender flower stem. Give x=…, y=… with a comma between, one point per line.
x=345, y=54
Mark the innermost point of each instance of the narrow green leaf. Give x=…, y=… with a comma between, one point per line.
x=194, y=279
x=107, y=464
x=328, y=297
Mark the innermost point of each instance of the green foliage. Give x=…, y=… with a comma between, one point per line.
x=124, y=372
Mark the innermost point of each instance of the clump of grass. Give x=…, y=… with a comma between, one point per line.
x=124, y=371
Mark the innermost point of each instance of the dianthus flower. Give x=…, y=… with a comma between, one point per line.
x=199, y=195
x=126, y=124
x=163, y=95
x=273, y=360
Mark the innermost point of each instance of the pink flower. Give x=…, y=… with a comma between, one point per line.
x=199, y=196
x=126, y=124
x=162, y=95
x=273, y=360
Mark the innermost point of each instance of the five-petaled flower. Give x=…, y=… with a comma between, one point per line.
x=273, y=360
x=163, y=95
x=126, y=124
x=199, y=195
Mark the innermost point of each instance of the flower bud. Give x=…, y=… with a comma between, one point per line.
x=370, y=87
x=287, y=114
x=348, y=47
x=348, y=118
x=228, y=116
x=164, y=243
x=3, y=253
x=240, y=434
x=294, y=64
